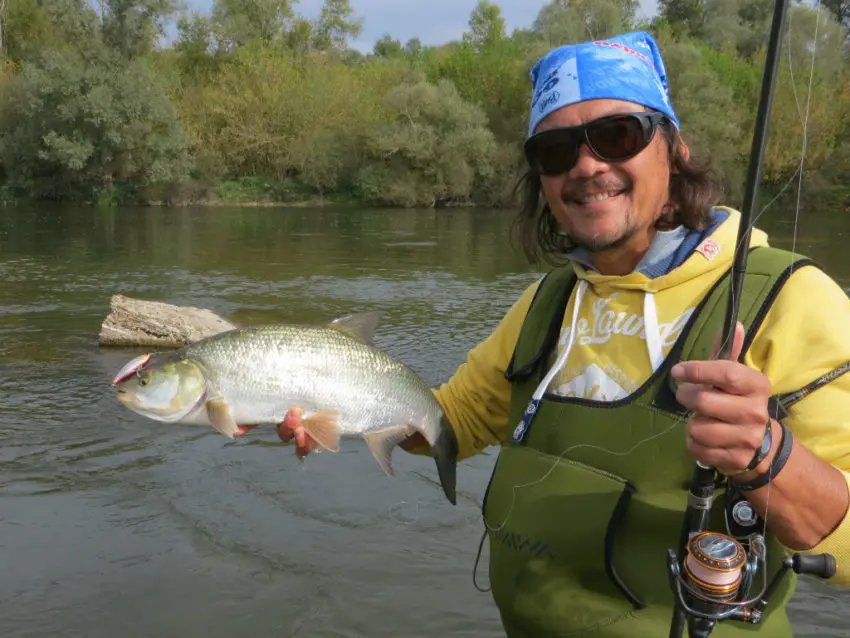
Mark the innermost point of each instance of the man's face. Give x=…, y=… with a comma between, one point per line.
x=605, y=206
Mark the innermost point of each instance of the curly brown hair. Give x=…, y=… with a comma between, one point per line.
x=693, y=191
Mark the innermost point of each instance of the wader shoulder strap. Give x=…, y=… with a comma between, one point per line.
x=542, y=323
x=767, y=271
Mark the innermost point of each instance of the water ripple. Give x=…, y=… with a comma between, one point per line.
x=119, y=526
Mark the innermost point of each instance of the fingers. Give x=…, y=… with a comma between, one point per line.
x=304, y=444
x=729, y=376
x=290, y=428
x=727, y=447
x=292, y=420
x=284, y=433
x=722, y=405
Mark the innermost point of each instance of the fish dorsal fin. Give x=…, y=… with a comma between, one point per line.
x=361, y=326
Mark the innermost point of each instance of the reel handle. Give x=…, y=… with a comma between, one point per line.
x=820, y=565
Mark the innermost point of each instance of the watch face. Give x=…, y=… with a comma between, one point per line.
x=719, y=548
x=765, y=444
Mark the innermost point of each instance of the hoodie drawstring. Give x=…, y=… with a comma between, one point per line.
x=653, y=334
x=534, y=403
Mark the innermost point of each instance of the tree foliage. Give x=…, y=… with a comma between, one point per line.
x=73, y=123
x=252, y=93
x=433, y=149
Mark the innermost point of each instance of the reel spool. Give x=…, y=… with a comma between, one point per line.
x=714, y=565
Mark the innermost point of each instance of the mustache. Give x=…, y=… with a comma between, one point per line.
x=597, y=185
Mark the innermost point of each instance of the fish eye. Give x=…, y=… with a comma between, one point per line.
x=144, y=379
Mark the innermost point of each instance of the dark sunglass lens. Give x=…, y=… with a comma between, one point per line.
x=554, y=158
x=617, y=138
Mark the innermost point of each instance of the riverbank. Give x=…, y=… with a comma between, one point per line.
x=246, y=191
x=260, y=192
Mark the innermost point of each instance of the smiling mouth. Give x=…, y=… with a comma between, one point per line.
x=597, y=197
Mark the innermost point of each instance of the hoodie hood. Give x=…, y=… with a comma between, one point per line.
x=619, y=329
x=712, y=250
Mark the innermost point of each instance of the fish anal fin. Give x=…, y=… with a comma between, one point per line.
x=323, y=428
x=218, y=412
x=382, y=443
x=360, y=326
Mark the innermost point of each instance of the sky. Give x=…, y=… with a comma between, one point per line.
x=432, y=21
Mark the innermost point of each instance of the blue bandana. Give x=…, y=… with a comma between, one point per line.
x=626, y=67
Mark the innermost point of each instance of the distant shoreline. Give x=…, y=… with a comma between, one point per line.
x=836, y=196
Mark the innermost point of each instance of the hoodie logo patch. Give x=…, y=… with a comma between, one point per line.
x=709, y=249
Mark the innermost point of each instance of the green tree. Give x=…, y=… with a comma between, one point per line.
x=432, y=152
x=300, y=35
x=486, y=25
x=132, y=27
x=413, y=48
x=685, y=17
x=238, y=21
x=33, y=26
x=71, y=125
x=336, y=25
x=570, y=21
x=195, y=47
x=388, y=47
x=307, y=124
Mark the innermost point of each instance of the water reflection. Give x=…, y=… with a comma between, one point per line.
x=118, y=526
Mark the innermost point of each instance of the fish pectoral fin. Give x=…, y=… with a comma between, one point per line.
x=218, y=412
x=382, y=443
x=361, y=326
x=323, y=428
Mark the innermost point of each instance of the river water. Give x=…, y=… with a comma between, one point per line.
x=112, y=525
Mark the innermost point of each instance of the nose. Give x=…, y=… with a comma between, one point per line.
x=588, y=165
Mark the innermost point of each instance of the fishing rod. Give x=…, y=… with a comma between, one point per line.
x=712, y=573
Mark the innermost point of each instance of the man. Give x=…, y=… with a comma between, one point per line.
x=600, y=382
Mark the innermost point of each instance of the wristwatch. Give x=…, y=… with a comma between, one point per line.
x=786, y=445
x=764, y=450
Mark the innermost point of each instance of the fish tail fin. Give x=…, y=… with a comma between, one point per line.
x=445, y=451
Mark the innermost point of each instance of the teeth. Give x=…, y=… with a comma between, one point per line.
x=595, y=198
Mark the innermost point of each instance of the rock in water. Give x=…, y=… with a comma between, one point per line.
x=136, y=322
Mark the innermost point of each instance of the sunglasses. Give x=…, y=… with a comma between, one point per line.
x=613, y=138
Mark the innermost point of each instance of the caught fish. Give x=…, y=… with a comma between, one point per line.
x=251, y=376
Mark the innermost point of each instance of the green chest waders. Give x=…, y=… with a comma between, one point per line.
x=581, y=509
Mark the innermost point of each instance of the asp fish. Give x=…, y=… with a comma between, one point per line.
x=251, y=376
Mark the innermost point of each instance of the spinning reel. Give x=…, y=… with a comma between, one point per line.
x=714, y=581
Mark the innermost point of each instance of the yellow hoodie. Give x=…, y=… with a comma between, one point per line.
x=625, y=327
